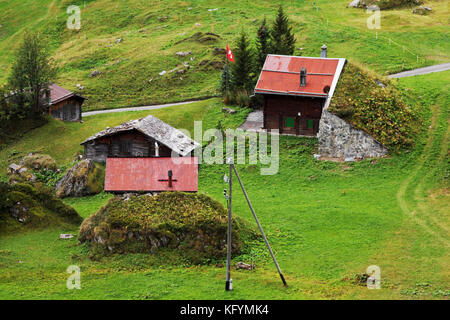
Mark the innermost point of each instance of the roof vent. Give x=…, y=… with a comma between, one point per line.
x=303, y=77
x=323, y=51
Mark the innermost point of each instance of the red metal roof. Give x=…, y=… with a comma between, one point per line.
x=151, y=174
x=281, y=75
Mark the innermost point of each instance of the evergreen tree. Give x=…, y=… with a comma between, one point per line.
x=225, y=80
x=31, y=75
x=281, y=35
x=242, y=75
x=262, y=44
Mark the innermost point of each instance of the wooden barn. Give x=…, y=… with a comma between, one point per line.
x=64, y=104
x=142, y=138
x=296, y=90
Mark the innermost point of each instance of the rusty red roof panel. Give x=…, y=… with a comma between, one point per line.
x=58, y=94
x=281, y=74
x=151, y=174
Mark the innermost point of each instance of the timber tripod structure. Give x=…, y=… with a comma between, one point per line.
x=229, y=281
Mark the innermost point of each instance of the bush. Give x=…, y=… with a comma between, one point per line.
x=242, y=98
x=229, y=98
x=193, y=225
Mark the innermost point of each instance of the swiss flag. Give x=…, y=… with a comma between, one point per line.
x=230, y=55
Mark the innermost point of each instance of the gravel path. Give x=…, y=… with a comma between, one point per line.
x=254, y=121
x=416, y=72
x=159, y=106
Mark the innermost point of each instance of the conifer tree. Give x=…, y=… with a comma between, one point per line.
x=225, y=80
x=242, y=75
x=281, y=35
x=262, y=44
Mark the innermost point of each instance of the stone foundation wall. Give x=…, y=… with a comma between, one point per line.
x=338, y=139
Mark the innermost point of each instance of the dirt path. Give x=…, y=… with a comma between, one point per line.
x=418, y=210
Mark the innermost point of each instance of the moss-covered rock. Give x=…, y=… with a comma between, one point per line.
x=194, y=225
x=85, y=178
x=37, y=161
x=385, y=4
x=374, y=105
x=25, y=206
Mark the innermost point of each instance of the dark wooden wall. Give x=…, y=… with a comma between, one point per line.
x=67, y=110
x=127, y=144
x=278, y=107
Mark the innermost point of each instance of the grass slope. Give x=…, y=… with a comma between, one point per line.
x=151, y=36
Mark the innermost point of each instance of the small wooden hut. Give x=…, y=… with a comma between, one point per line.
x=64, y=104
x=142, y=138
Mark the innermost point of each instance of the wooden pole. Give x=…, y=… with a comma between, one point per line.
x=229, y=281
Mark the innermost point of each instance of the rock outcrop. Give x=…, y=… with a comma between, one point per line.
x=85, y=178
x=339, y=139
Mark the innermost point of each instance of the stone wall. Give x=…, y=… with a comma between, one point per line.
x=338, y=139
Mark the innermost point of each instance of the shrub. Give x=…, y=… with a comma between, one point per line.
x=229, y=98
x=242, y=98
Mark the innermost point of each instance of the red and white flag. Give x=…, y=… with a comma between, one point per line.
x=230, y=55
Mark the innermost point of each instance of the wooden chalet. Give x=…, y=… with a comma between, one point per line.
x=296, y=90
x=64, y=104
x=142, y=138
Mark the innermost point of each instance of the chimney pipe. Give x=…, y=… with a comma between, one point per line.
x=303, y=77
x=323, y=52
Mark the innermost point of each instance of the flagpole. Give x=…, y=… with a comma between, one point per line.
x=226, y=74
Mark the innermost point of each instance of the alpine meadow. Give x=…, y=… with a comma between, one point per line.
x=97, y=95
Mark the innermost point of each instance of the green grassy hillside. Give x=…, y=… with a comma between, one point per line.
x=151, y=34
x=326, y=221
